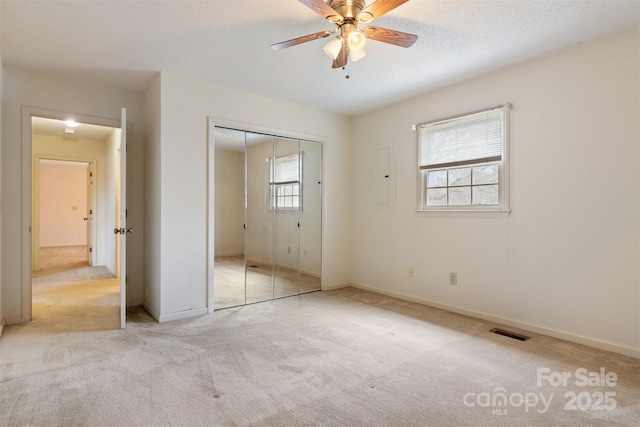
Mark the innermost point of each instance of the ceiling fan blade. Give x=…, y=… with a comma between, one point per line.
x=300, y=40
x=343, y=56
x=385, y=35
x=322, y=9
x=378, y=8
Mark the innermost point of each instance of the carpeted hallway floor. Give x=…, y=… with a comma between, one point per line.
x=341, y=358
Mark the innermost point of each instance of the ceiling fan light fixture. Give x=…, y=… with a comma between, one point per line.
x=356, y=55
x=357, y=40
x=333, y=47
x=365, y=17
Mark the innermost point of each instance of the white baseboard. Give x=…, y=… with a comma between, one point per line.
x=283, y=266
x=603, y=345
x=311, y=273
x=152, y=311
x=2, y=325
x=228, y=255
x=13, y=321
x=335, y=286
x=186, y=314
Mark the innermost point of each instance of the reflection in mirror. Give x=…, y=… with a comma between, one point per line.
x=311, y=217
x=259, y=282
x=267, y=217
x=286, y=202
x=229, y=260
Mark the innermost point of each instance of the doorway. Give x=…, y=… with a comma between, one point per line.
x=266, y=237
x=63, y=209
x=74, y=188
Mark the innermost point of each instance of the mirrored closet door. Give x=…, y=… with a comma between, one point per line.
x=267, y=217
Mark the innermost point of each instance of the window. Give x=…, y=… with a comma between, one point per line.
x=463, y=161
x=285, y=182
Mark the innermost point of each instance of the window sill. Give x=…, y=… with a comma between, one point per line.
x=286, y=211
x=472, y=213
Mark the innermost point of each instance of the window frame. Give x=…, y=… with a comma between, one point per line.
x=503, y=206
x=274, y=185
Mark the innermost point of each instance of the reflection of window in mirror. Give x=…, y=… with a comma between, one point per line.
x=285, y=180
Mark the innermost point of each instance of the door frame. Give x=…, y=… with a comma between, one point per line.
x=35, y=249
x=212, y=122
x=27, y=188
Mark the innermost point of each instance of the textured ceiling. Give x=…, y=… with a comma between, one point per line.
x=124, y=43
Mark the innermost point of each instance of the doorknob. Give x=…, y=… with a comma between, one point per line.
x=130, y=230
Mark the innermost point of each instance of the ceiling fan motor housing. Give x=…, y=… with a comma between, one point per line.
x=347, y=8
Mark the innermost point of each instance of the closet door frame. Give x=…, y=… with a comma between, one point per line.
x=212, y=123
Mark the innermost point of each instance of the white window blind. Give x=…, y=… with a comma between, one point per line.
x=285, y=169
x=468, y=139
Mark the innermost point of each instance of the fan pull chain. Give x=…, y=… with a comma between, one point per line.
x=347, y=76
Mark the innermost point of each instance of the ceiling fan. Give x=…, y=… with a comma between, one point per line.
x=347, y=15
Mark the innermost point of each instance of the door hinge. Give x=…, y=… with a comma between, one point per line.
x=90, y=211
x=91, y=174
x=90, y=249
x=126, y=279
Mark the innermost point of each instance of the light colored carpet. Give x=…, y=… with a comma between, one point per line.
x=340, y=358
x=60, y=258
x=79, y=299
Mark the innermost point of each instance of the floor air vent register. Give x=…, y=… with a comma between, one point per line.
x=509, y=334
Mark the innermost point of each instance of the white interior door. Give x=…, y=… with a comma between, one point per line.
x=89, y=214
x=123, y=230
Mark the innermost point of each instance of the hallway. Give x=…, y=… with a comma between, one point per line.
x=69, y=295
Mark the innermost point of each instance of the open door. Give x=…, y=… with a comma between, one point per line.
x=89, y=214
x=121, y=230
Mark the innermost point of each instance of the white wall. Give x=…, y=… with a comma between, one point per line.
x=565, y=261
x=181, y=236
x=152, y=197
x=26, y=88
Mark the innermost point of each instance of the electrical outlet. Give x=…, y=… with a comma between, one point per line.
x=411, y=272
x=453, y=278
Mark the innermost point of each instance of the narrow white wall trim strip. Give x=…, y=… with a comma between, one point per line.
x=186, y=314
